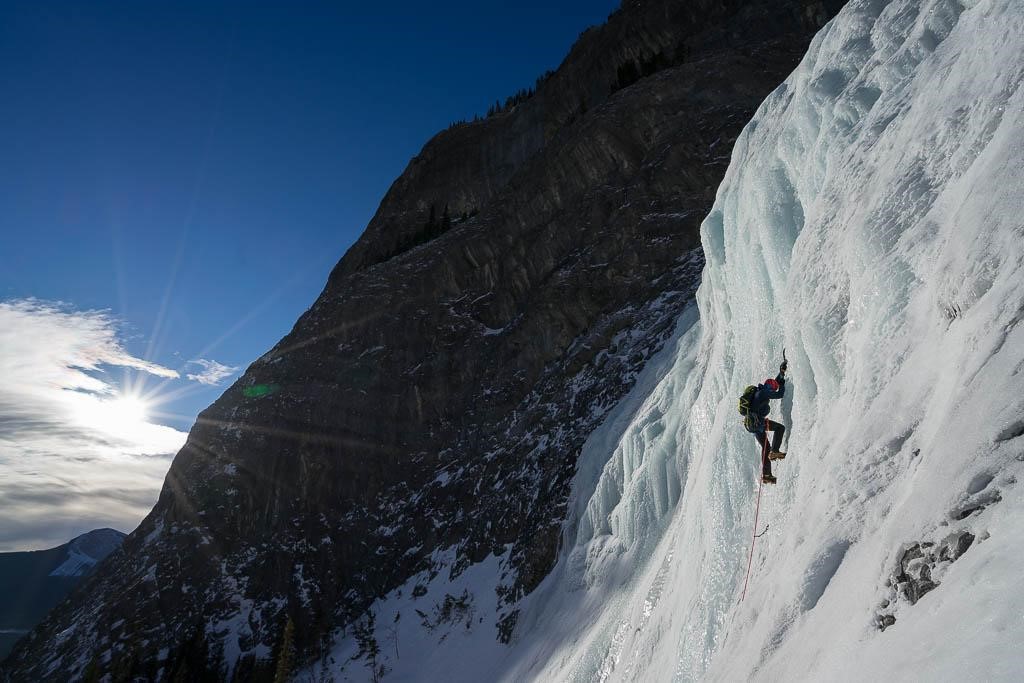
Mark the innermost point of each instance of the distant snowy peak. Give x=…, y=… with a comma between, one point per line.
x=86, y=551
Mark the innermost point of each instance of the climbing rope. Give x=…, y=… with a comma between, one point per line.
x=757, y=511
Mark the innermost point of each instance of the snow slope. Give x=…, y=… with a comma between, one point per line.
x=872, y=223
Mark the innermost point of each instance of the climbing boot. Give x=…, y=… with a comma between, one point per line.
x=776, y=455
x=767, y=479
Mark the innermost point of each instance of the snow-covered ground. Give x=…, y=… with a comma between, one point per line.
x=872, y=223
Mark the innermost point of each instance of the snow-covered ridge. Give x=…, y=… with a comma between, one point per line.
x=871, y=223
x=87, y=550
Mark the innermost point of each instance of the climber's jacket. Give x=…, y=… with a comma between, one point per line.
x=759, y=407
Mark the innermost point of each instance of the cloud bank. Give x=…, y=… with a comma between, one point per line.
x=67, y=463
x=212, y=372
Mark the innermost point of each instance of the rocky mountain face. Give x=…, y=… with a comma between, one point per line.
x=427, y=411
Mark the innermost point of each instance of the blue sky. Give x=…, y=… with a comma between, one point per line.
x=182, y=176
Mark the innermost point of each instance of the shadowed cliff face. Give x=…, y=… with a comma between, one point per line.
x=467, y=166
x=436, y=395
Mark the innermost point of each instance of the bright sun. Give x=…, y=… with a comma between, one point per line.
x=128, y=409
x=123, y=415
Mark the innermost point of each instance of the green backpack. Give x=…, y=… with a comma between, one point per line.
x=745, y=398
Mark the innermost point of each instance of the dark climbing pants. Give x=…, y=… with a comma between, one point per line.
x=778, y=430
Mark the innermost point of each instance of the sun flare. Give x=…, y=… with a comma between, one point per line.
x=123, y=415
x=128, y=409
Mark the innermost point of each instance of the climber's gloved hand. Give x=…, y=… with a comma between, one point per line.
x=782, y=368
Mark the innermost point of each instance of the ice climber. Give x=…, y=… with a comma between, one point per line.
x=754, y=408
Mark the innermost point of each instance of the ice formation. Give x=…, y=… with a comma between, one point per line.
x=872, y=223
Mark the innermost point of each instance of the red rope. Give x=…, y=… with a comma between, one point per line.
x=757, y=511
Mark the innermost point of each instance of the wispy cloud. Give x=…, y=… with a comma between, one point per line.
x=67, y=462
x=212, y=372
